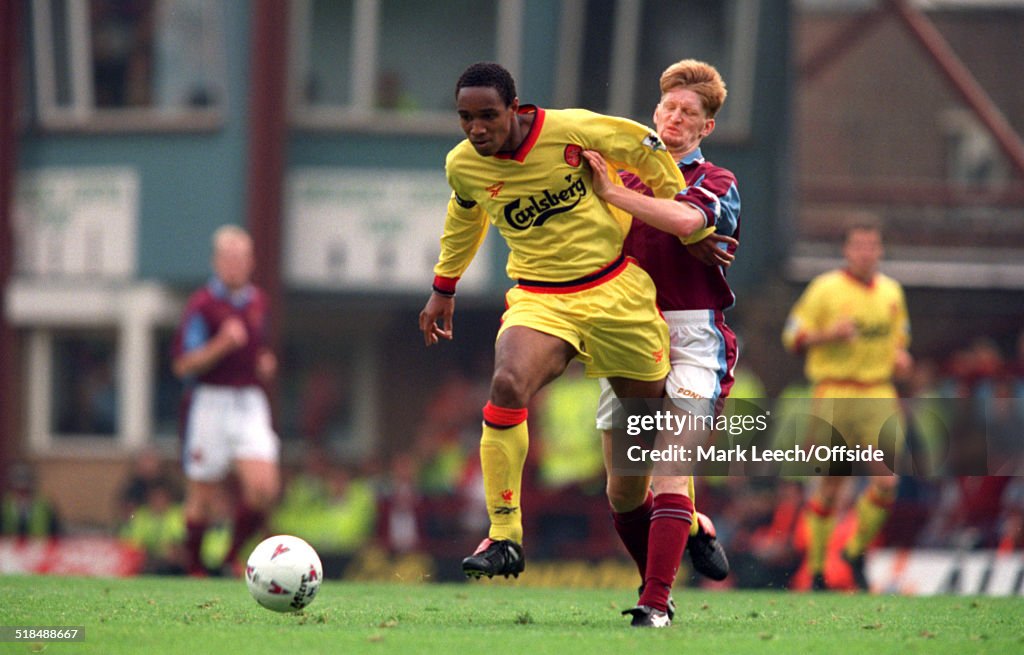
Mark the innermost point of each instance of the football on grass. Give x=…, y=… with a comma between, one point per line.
x=283, y=573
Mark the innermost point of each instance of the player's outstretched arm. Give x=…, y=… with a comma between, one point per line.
x=438, y=308
x=680, y=219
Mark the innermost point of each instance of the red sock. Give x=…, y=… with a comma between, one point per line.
x=671, y=515
x=247, y=522
x=194, y=532
x=633, y=528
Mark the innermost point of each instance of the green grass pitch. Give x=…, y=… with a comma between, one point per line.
x=176, y=615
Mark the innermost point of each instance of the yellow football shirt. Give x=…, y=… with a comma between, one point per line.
x=541, y=197
x=878, y=310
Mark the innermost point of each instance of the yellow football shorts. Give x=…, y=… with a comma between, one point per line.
x=611, y=318
x=862, y=414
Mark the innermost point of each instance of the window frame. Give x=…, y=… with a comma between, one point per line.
x=743, y=17
x=133, y=315
x=82, y=114
x=361, y=115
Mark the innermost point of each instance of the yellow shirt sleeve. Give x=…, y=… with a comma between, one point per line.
x=465, y=228
x=803, y=318
x=630, y=146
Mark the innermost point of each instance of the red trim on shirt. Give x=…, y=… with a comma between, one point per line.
x=531, y=137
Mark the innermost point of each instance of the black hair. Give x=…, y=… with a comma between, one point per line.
x=485, y=73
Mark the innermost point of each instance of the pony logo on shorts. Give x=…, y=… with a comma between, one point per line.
x=658, y=356
x=687, y=393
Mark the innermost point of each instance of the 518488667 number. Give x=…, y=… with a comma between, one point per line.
x=41, y=633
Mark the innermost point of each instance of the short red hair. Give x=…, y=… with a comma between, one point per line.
x=700, y=77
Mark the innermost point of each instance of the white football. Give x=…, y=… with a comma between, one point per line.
x=284, y=573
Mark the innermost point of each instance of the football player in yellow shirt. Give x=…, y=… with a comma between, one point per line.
x=852, y=325
x=521, y=169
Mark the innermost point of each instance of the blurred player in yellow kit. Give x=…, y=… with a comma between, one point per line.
x=852, y=324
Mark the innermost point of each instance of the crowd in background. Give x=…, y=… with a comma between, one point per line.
x=428, y=498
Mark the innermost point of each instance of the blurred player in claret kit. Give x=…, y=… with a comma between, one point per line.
x=693, y=295
x=852, y=325
x=521, y=168
x=221, y=350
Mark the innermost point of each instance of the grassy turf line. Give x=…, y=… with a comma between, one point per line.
x=173, y=615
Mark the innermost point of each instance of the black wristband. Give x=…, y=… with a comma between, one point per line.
x=441, y=292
